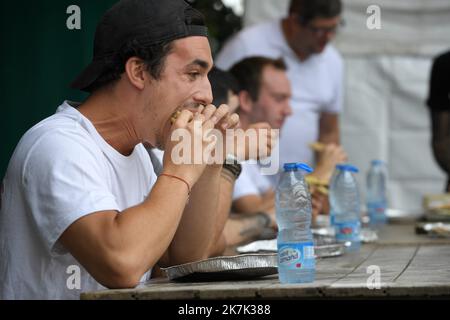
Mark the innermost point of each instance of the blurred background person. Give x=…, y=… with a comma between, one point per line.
x=233, y=228
x=439, y=105
x=224, y=88
x=315, y=70
x=264, y=96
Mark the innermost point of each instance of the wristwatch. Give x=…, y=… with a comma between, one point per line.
x=232, y=165
x=265, y=219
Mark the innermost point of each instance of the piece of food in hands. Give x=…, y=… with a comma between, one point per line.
x=317, y=146
x=317, y=184
x=194, y=109
x=175, y=116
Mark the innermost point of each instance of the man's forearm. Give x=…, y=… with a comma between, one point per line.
x=196, y=230
x=118, y=248
x=330, y=137
x=227, y=180
x=329, y=128
x=252, y=204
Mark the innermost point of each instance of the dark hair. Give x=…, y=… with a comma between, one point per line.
x=154, y=56
x=307, y=10
x=248, y=73
x=221, y=83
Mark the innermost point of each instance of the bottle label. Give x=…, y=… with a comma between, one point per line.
x=348, y=231
x=376, y=209
x=295, y=256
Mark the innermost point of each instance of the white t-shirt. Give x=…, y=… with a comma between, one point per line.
x=61, y=170
x=316, y=84
x=251, y=181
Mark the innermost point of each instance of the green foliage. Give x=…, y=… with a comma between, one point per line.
x=221, y=20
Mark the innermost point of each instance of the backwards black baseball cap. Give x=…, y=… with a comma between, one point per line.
x=150, y=22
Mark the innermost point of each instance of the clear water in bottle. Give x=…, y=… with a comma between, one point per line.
x=345, y=206
x=376, y=198
x=296, y=260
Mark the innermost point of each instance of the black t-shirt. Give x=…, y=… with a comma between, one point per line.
x=439, y=96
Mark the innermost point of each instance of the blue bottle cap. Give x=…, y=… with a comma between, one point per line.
x=347, y=167
x=290, y=166
x=377, y=162
x=304, y=167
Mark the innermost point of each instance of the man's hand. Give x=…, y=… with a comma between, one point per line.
x=257, y=144
x=228, y=120
x=318, y=202
x=191, y=144
x=328, y=158
x=226, y=126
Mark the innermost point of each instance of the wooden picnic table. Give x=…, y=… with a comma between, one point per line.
x=409, y=265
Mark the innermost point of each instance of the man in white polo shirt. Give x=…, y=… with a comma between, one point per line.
x=315, y=70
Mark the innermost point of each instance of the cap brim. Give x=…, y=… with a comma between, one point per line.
x=89, y=75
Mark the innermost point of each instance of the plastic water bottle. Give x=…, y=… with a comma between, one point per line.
x=296, y=260
x=345, y=206
x=376, y=199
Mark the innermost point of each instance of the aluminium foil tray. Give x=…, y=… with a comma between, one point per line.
x=324, y=247
x=241, y=267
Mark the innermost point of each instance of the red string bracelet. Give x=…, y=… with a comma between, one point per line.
x=178, y=178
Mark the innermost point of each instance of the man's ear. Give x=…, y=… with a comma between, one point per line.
x=136, y=72
x=245, y=102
